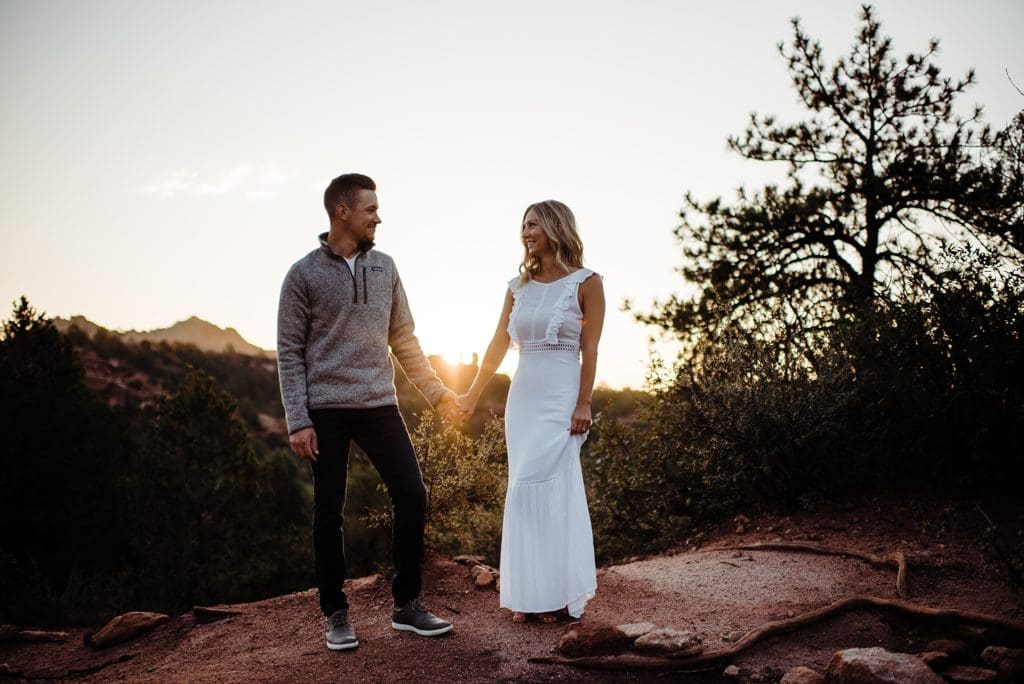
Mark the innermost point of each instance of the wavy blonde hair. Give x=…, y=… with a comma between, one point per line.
x=559, y=225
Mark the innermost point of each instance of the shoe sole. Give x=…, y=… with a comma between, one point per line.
x=422, y=632
x=342, y=647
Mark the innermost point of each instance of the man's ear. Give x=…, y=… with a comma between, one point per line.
x=341, y=211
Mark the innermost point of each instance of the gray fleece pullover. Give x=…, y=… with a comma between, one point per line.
x=334, y=328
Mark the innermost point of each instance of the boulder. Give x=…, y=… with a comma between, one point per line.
x=935, y=659
x=966, y=673
x=878, y=666
x=125, y=628
x=635, y=630
x=731, y=672
x=956, y=649
x=592, y=639
x=670, y=642
x=801, y=675
x=483, y=579
x=1009, y=662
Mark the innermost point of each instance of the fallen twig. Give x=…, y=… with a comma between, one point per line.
x=770, y=629
x=895, y=558
x=12, y=633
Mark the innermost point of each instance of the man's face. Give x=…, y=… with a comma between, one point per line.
x=362, y=217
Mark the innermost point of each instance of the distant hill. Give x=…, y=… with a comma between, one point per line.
x=196, y=331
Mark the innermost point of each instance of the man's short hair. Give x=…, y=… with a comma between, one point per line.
x=343, y=190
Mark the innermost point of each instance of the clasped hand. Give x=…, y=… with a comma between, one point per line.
x=455, y=409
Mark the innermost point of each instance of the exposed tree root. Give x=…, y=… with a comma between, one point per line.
x=927, y=614
x=894, y=558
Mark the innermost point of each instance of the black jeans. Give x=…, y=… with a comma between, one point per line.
x=381, y=433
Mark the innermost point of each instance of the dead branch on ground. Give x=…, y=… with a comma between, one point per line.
x=943, y=616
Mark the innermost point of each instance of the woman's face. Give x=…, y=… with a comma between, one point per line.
x=534, y=239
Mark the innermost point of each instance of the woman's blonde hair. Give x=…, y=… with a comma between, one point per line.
x=559, y=225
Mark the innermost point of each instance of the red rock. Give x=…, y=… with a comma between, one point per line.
x=670, y=642
x=801, y=675
x=878, y=666
x=966, y=673
x=957, y=650
x=934, y=659
x=1008, y=661
x=591, y=639
x=125, y=628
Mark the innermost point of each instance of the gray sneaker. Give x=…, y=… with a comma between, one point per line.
x=340, y=635
x=413, y=617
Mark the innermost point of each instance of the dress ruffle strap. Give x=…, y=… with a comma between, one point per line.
x=514, y=286
x=570, y=286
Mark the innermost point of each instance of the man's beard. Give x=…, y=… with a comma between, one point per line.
x=364, y=245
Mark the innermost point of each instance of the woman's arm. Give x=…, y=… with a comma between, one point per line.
x=592, y=304
x=496, y=351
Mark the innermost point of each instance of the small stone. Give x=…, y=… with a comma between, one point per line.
x=125, y=628
x=738, y=554
x=670, y=642
x=1008, y=661
x=483, y=579
x=732, y=672
x=801, y=675
x=878, y=666
x=635, y=630
x=593, y=639
x=733, y=636
x=957, y=650
x=740, y=529
x=966, y=673
x=934, y=659
x=789, y=613
x=476, y=570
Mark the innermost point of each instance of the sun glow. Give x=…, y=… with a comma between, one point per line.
x=454, y=358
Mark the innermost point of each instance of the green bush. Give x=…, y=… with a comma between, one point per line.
x=465, y=479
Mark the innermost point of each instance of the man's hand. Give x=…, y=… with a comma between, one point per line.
x=304, y=444
x=449, y=409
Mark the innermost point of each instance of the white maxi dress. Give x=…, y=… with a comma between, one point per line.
x=547, y=545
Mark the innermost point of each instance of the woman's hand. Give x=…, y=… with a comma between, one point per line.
x=466, y=405
x=580, y=421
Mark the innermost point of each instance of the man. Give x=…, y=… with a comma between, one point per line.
x=342, y=306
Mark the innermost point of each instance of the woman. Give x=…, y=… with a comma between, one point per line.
x=553, y=315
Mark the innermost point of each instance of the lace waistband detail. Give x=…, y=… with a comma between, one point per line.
x=542, y=346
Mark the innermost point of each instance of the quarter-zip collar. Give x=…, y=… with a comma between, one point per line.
x=351, y=271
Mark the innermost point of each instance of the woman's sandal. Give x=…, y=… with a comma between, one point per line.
x=519, y=617
x=550, y=618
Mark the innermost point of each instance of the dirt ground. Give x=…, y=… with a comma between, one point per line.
x=700, y=586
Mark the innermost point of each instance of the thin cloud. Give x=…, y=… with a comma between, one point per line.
x=257, y=182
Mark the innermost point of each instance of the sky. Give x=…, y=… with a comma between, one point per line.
x=160, y=160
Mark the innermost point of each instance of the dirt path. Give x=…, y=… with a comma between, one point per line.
x=719, y=594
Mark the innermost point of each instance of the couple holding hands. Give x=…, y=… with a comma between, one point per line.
x=343, y=308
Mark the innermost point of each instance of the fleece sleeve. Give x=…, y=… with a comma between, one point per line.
x=292, y=332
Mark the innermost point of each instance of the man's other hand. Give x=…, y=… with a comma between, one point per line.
x=304, y=444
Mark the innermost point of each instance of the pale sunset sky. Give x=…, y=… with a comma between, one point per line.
x=160, y=160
